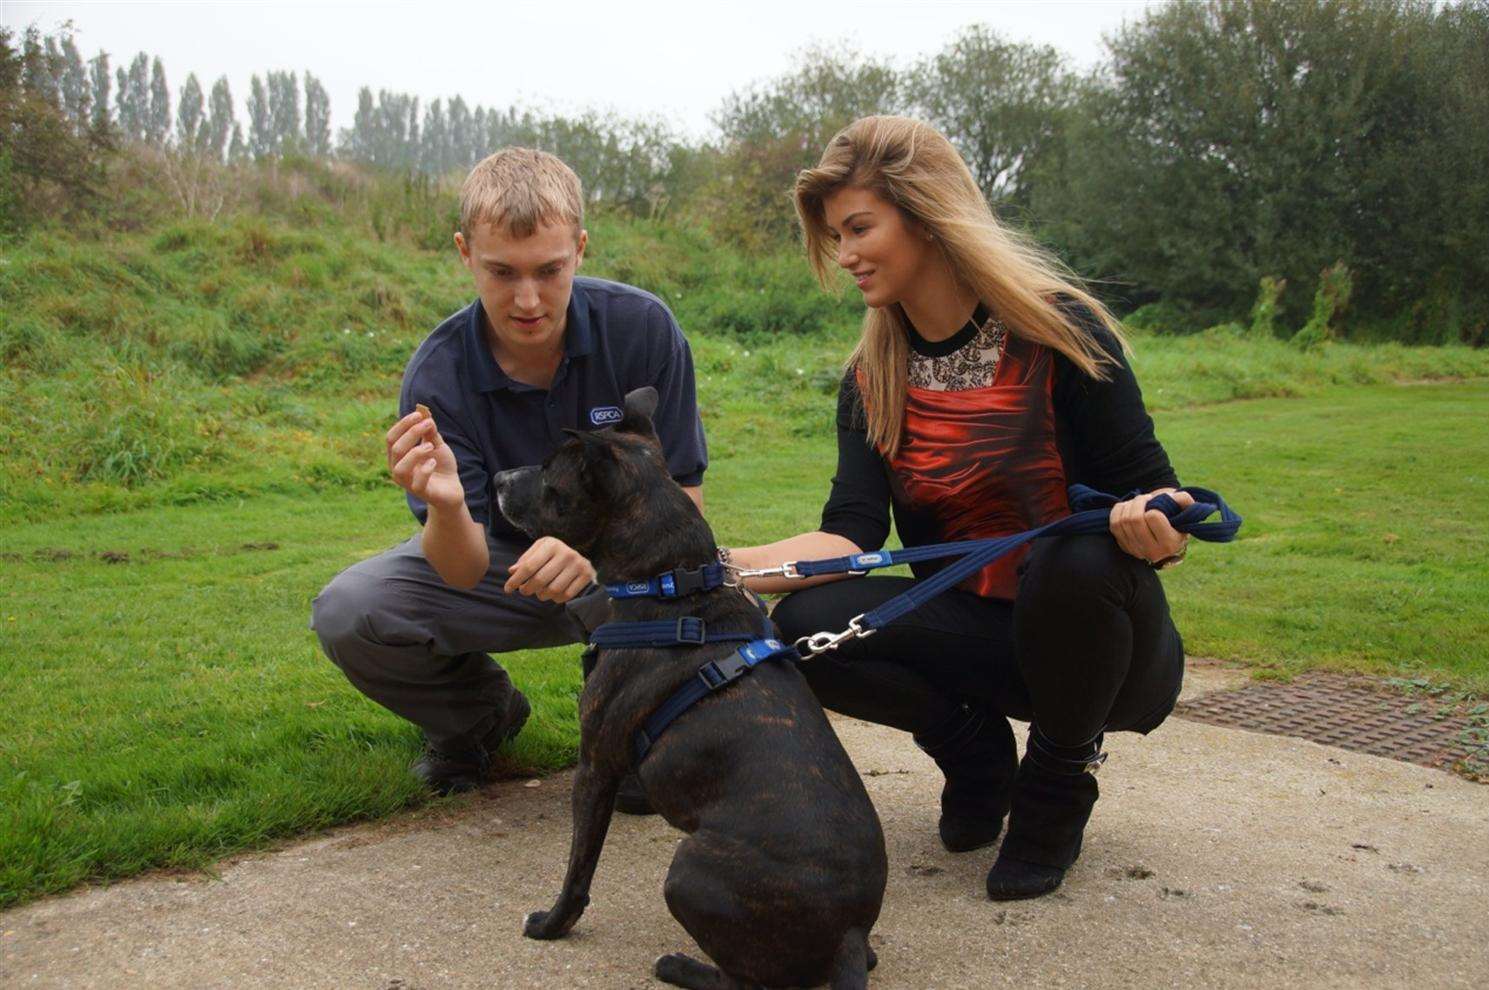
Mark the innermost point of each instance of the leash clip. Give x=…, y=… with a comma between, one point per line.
x=819, y=643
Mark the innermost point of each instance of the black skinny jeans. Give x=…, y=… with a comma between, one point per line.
x=1087, y=646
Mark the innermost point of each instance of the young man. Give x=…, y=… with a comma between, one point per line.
x=538, y=352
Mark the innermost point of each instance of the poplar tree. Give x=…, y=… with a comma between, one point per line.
x=260, y=122
x=158, y=121
x=77, y=98
x=317, y=118
x=458, y=119
x=220, y=120
x=435, y=150
x=98, y=69
x=191, y=117
x=284, y=112
x=133, y=98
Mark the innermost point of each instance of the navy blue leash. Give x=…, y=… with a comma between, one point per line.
x=1092, y=514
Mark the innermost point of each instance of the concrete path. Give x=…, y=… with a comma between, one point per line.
x=1216, y=858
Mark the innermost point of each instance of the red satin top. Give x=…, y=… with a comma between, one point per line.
x=983, y=462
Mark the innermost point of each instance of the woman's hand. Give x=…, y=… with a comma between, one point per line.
x=1145, y=533
x=422, y=463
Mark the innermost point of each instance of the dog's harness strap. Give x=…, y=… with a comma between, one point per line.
x=687, y=630
x=711, y=677
x=672, y=584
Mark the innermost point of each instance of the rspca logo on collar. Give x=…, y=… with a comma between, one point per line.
x=606, y=415
x=638, y=587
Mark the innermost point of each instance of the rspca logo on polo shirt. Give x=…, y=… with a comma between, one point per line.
x=605, y=415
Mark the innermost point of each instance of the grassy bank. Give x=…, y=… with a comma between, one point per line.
x=200, y=362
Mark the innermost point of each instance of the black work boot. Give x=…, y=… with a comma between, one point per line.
x=1052, y=799
x=450, y=768
x=631, y=799
x=976, y=752
x=509, y=724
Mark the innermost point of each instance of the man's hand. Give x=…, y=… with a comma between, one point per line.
x=422, y=463
x=1146, y=533
x=551, y=570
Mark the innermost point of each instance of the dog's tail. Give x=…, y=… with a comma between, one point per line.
x=854, y=959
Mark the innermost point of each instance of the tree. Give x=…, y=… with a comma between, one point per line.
x=1225, y=142
x=998, y=101
x=46, y=168
x=191, y=117
x=773, y=130
x=77, y=97
x=317, y=118
x=260, y=120
x=284, y=112
x=434, y=154
x=158, y=121
x=134, y=99
x=221, y=120
x=98, y=70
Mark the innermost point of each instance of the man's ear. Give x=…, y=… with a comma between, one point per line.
x=640, y=405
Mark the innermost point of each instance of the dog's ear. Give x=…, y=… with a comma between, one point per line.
x=641, y=404
x=595, y=444
x=600, y=456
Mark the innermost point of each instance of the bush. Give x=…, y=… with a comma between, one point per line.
x=1162, y=316
x=1335, y=285
x=1264, y=310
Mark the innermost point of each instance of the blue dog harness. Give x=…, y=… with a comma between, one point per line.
x=1092, y=515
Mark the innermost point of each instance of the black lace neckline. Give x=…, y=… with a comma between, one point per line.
x=952, y=344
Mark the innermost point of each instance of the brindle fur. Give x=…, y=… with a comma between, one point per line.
x=782, y=874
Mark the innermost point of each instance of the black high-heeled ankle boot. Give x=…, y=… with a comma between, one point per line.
x=976, y=752
x=1053, y=795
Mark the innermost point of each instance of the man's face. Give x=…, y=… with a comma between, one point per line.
x=524, y=282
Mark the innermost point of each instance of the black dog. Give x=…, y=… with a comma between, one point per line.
x=783, y=871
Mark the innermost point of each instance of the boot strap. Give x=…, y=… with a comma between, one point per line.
x=972, y=721
x=1042, y=752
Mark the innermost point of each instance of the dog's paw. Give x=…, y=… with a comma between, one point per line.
x=540, y=925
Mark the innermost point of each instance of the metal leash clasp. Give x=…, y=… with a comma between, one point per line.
x=736, y=575
x=819, y=643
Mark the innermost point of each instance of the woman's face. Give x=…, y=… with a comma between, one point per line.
x=887, y=254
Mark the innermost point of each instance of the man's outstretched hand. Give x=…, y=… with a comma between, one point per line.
x=422, y=463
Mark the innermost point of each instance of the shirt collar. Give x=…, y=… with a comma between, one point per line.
x=488, y=376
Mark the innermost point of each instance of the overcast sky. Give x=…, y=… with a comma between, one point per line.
x=668, y=59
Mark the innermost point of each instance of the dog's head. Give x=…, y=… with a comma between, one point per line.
x=595, y=483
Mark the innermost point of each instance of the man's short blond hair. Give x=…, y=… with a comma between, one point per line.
x=518, y=190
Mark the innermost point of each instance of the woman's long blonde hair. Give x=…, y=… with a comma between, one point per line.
x=914, y=166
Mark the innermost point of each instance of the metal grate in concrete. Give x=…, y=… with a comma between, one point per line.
x=1341, y=711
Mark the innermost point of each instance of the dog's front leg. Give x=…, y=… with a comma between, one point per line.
x=594, y=801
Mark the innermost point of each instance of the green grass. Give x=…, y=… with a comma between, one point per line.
x=192, y=448
x=166, y=704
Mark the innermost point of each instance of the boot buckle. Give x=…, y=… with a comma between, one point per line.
x=1094, y=763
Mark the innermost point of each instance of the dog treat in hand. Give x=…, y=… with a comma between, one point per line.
x=423, y=410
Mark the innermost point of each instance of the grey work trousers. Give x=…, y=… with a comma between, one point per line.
x=419, y=647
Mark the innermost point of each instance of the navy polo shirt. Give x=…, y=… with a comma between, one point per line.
x=617, y=338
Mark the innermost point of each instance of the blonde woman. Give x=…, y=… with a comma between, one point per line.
x=986, y=380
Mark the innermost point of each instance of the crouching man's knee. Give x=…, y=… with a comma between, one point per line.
x=338, y=615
